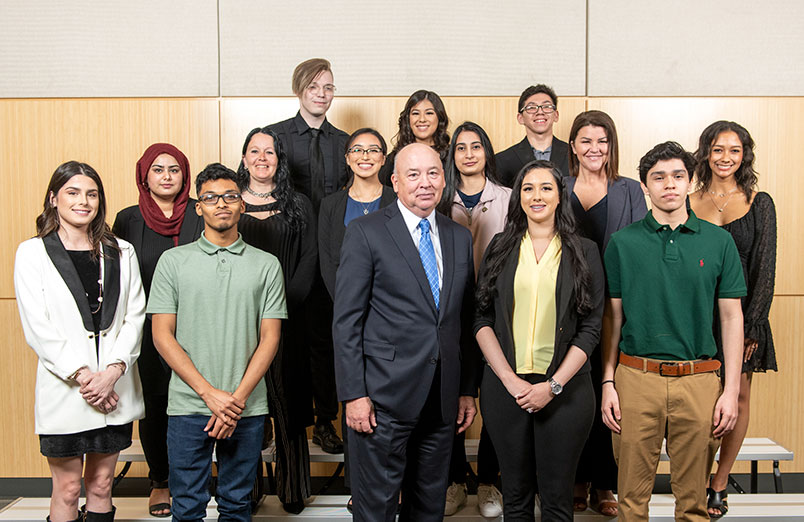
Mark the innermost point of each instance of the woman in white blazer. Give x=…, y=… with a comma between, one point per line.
x=82, y=309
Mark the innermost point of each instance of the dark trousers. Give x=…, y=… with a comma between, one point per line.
x=597, y=463
x=155, y=376
x=318, y=310
x=487, y=466
x=548, y=441
x=190, y=449
x=409, y=455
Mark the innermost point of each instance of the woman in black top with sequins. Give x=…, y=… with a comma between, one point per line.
x=281, y=221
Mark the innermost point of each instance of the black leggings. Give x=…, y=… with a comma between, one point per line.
x=549, y=440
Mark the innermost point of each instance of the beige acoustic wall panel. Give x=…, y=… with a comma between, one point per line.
x=83, y=48
x=465, y=48
x=694, y=48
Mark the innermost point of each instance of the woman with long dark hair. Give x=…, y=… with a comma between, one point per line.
x=281, y=221
x=539, y=311
x=727, y=196
x=163, y=218
x=473, y=197
x=423, y=120
x=603, y=202
x=82, y=309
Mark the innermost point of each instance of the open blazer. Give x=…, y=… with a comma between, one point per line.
x=571, y=329
x=58, y=325
x=331, y=230
x=626, y=204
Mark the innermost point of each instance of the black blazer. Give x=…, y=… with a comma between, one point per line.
x=130, y=225
x=571, y=328
x=626, y=204
x=331, y=230
x=512, y=159
x=387, y=333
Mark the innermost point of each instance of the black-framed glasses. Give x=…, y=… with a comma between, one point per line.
x=211, y=200
x=547, y=108
x=371, y=151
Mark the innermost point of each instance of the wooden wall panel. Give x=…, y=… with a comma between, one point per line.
x=777, y=129
x=109, y=134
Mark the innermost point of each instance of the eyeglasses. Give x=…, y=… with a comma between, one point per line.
x=359, y=151
x=211, y=200
x=547, y=108
x=328, y=88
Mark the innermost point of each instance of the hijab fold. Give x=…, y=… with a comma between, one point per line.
x=154, y=217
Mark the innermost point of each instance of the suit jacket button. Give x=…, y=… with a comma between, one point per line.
x=433, y=360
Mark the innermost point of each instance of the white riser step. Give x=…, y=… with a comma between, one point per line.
x=744, y=508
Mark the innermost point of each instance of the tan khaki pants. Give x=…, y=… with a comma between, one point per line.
x=653, y=408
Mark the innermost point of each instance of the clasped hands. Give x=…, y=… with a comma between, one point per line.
x=529, y=397
x=98, y=388
x=361, y=417
x=226, y=410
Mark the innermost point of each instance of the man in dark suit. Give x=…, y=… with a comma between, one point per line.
x=537, y=112
x=405, y=361
x=316, y=156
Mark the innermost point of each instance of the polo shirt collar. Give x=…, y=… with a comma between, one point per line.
x=210, y=248
x=693, y=224
x=302, y=127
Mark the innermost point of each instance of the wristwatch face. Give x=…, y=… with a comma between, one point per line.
x=555, y=387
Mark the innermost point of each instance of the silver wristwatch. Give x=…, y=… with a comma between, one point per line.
x=555, y=387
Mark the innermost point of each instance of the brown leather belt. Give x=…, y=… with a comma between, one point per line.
x=669, y=368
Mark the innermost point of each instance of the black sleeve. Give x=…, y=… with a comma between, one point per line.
x=761, y=270
x=471, y=361
x=326, y=258
x=587, y=333
x=302, y=281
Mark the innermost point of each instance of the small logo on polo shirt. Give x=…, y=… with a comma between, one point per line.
x=701, y=262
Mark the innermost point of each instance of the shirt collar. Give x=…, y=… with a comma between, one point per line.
x=693, y=224
x=545, y=151
x=490, y=192
x=302, y=127
x=412, y=220
x=210, y=248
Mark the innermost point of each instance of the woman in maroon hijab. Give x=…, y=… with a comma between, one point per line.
x=165, y=217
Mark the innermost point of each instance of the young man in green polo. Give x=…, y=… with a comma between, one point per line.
x=666, y=273
x=217, y=306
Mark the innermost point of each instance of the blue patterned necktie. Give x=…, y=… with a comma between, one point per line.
x=427, y=253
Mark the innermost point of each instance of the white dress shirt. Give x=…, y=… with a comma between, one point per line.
x=412, y=222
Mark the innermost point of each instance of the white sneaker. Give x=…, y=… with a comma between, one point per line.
x=456, y=498
x=489, y=501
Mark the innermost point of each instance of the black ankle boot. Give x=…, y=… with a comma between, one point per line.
x=101, y=517
x=80, y=517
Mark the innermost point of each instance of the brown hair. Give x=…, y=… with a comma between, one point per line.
x=305, y=73
x=596, y=119
x=98, y=231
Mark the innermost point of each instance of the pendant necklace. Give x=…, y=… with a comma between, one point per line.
x=712, y=195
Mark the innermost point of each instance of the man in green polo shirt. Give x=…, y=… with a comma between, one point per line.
x=217, y=306
x=666, y=273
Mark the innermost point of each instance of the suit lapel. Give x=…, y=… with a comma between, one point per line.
x=189, y=226
x=64, y=265
x=401, y=236
x=564, y=288
x=111, y=286
x=524, y=152
x=616, y=207
x=338, y=228
x=447, y=239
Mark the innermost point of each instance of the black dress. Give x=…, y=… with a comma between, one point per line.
x=755, y=237
x=288, y=379
x=110, y=439
x=596, y=464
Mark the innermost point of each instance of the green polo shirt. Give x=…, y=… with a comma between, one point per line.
x=219, y=296
x=669, y=281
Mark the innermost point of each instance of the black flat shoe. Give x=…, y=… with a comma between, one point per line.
x=324, y=435
x=717, y=500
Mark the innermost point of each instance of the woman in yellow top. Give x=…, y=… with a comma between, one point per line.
x=540, y=306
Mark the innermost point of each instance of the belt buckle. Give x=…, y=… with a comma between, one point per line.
x=670, y=364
